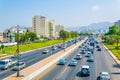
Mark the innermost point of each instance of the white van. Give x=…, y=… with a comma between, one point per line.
x=4, y=64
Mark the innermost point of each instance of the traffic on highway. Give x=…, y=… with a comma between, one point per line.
x=90, y=61
x=9, y=65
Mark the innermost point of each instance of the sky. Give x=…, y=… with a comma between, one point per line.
x=70, y=13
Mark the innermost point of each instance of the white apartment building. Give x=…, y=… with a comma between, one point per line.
x=43, y=26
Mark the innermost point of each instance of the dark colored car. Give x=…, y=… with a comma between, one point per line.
x=99, y=49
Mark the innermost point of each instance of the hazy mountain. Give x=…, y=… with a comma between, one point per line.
x=102, y=26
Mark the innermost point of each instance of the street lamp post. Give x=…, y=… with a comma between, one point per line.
x=18, y=73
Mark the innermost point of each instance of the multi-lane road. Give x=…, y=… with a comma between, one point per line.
x=31, y=58
x=102, y=62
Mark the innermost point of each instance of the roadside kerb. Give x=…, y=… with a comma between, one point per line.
x=112, y=55
x=37, y=68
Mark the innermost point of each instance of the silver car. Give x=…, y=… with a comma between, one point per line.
x=45, y=51
x=73, y=62
x=19, y=65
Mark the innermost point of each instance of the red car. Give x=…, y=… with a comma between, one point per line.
x=59, y=46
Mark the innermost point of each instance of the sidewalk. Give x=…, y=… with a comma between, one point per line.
x=34, y=70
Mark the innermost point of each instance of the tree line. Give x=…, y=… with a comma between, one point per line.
x=65, y=34
x=112, y=36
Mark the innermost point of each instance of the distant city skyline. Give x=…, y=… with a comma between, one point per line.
x=68, y=12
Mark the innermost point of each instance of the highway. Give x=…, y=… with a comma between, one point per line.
x=102, y=62
x=31, y=58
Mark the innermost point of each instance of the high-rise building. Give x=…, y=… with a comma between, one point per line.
x=52, y=29
x=43, y=26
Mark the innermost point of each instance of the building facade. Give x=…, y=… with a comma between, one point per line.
x=43, y=26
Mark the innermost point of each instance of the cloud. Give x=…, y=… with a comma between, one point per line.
x=95, y=8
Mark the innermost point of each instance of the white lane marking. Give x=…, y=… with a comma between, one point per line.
x=64, y=71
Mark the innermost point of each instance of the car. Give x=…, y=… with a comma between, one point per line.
x=59, y=46
x=97, y=46
x=64, y=46
x=87, y=55
x=79, y=46
x=19, y=66
x=85, y=70
x=104, y=76
x=78, y=56
x=62, y=62
x=54, y=47
x=73, y=62
x=5, y=64
x=90, y=59
x=82, y=52
x=13, y=60
x=99, y=49
x=45, y=51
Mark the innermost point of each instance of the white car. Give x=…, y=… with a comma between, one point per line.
x=78, y=56
x=5, y=64
x=104, y=76
x=85, y=70
x=45, y=51
x=19, y=65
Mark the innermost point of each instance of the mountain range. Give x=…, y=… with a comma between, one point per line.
x=95, y=27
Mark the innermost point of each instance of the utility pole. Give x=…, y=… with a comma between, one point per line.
x=17, y=51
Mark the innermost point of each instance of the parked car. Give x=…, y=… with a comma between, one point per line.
x=104, y=76
x=62, y=62
x=45, y=51
x=19, y=65
x=73, y=62
x=5, y=64
x=85, y=70
x=78, y=56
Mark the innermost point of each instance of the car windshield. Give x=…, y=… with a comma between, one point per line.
x=84, y=69
x=105, y=75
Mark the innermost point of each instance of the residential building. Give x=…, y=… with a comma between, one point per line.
x=52, y=29
x=43, y=26
x=8, y=34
